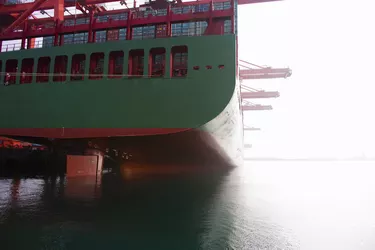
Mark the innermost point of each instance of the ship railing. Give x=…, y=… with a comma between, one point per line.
x=17, y=46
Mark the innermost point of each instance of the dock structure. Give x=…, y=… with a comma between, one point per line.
x=250, y=71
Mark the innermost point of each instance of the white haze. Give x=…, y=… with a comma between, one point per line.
x=326, y=107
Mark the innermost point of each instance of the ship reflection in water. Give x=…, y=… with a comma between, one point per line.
x=261, y=206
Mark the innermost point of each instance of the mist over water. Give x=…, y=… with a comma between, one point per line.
x=263, y=205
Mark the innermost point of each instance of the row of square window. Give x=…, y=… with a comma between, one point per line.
x=96, y=68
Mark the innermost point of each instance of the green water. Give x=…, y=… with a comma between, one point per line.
x=264, y=205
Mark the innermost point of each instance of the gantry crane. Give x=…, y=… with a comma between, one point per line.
x=247, y=128
x=261, y=72
x=248, y=93
x=247, y=72
x=247, y=106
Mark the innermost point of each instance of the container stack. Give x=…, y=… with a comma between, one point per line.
x=161, y=30
x=47, y=41
x=112, y=35
x=76, y=38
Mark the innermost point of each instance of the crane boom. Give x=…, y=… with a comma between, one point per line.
x=260, y=94
x=256, y=107
x=265, y=73
x=250, y=128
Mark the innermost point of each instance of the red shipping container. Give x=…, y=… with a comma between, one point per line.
x=161, y=30
x=112, y=35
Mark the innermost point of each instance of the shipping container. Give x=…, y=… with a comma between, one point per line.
x=161, y=30
x=186, y=28
x=10, y=2
x=139, y=14
x=176, y=29
x=81, y=37
x=69, y=22
x=202, y=7
x=137, y=33
x=68, y=38
x=226, y=5
x=160, y=12
x=222, y=6
x=120, y=16
x=148, y=32
x=100, y=36
x=112, y=35
x=48, y=41
x=218, y=6
x=76, y=38
x=177, y=10
x=227, y=26
x=188, y=9
x=81, y=21
x=114, y=17
x=122, y=34
x=144, y=32
x=189, y=28
x=102, y=19
x=49, y=25
x=200, y=28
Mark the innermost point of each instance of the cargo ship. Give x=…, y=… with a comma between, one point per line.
x=158, y=81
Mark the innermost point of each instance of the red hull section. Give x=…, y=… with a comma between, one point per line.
x=70, y=133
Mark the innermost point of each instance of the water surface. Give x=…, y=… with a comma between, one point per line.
x=263, y=205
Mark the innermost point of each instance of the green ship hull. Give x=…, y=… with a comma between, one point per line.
x=203, y=107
